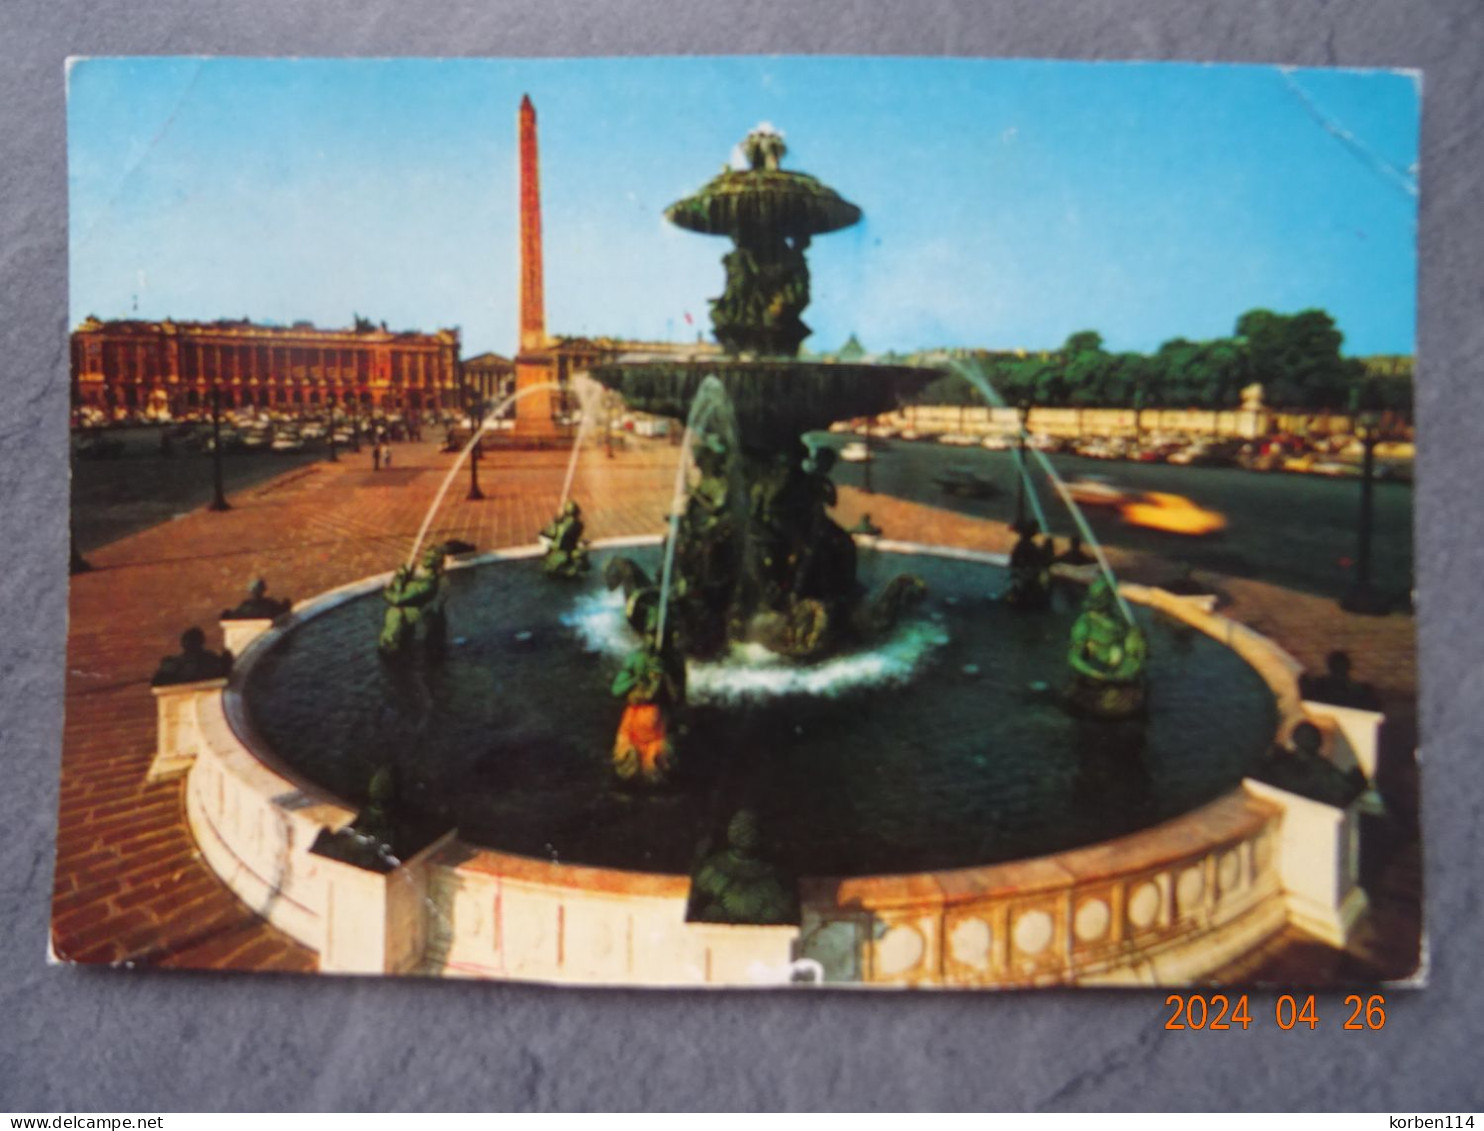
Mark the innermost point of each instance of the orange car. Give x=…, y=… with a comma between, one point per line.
x=1173, y=514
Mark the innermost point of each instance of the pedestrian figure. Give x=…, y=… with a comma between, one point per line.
x=386, y=455
x=375, y=457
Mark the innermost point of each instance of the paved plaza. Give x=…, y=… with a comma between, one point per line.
x=130, y=885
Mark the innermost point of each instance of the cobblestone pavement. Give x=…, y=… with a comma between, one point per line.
x=130, y=885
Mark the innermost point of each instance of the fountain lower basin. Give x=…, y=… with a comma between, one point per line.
x=1167, y=903
x=932, y=748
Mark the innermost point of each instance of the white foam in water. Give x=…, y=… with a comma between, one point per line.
x=598, y=619
x=751, y=671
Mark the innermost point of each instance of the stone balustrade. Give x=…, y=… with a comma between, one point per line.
x=1319, y=862
x=178, y=735
x=239, y=632
x=1165, y=905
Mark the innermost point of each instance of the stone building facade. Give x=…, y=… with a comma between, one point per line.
x=169, y=369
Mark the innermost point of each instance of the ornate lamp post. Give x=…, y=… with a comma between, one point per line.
x=1363, y=597
x=476, y=420
x=355, y=422
x=219, y=498
x=334, y=456
x=1023, y=405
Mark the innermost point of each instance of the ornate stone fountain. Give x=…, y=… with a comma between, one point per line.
x=944, y=823
x=758, y=557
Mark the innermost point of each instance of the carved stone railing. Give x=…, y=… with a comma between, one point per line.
x=1168, y=904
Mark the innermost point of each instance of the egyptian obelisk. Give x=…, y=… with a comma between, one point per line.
x=533, y=363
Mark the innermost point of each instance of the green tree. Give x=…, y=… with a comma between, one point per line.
x=1083, y=341
x=1297, y=358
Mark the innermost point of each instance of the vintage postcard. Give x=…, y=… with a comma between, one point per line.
x=869, y=522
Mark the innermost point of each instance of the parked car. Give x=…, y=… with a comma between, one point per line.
x=966, y=483
x=96, y=445
x=231, y=441
x=856, y=452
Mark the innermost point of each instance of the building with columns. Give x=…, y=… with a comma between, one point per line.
x=169, y=368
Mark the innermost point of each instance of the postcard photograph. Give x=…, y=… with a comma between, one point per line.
x=869, y=522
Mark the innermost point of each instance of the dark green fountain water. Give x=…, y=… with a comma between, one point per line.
x=930, y=750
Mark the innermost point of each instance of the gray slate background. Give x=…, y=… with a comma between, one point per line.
x=87, y=1039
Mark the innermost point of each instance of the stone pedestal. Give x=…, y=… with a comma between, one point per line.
x=1360, y=731
x=1318, y=863
x=747, y=955
x=1353, y=739
x=535, y=411
x=239, y=633
x=179, y=730
x=376, y=922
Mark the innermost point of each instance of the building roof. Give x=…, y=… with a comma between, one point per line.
x=362, y=329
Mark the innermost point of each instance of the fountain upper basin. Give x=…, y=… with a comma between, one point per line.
x=775, y=399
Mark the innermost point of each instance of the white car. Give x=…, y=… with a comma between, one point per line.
x=856, y=452
x=997, y=443
x=1095, y=491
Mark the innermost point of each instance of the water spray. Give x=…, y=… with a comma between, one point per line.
x=990, y=394
x=489, y=421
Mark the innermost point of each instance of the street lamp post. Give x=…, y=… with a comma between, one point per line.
x=355, y=422
x=1024, y=406
x=219, y=498
x=334, y=455
x=1363, y=597
x=476, y=420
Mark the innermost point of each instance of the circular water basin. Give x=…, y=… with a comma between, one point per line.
x=942, y=745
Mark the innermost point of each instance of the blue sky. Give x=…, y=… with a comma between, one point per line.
x=1007, y=203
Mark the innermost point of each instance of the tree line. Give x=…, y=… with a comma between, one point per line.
x=1295, y=357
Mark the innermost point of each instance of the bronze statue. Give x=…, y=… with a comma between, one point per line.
x=1030, y=572
x=566, y=549
x=736, y=885
x=1107, y=658
x=652, y=685
x=1337, y=687
x=708, y=551
x=258, y=606
x=414, y=599
x=1302, y=768
x=193, y=663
